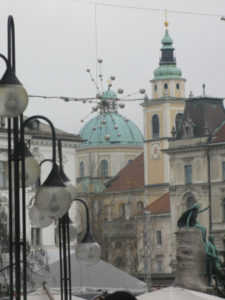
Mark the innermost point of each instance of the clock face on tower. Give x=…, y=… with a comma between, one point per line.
x=155, y=151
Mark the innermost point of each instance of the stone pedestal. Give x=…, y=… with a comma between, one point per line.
x=191, y=260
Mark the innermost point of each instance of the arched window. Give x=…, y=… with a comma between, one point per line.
x=155, y=87
x=104, y=168
x=178, y=120
x=122, y=210
x=140, y=206
x=118, y=245
x=119, y=262
x=155, y=126
x=190, y=202
x=81, y=169
x=165, y=86
x=177, y=86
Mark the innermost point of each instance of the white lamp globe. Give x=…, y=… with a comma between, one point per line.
x=88, y=252
x=32, y=168
x=53, y=201
x=13, y=96
x=72, y=232
x=70, y=187
x=52, y=198
x=37, y=219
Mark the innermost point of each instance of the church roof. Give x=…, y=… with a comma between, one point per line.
x=129, y=178
x=110, y=128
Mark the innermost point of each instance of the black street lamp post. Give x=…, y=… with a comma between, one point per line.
x=53, y=198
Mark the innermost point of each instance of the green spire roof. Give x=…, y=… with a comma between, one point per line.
x=167, y=41
x=167, y=66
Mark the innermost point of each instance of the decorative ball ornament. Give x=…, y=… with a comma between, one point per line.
x=103, y=121
x=107, y=137
x=115, y=127
x=121, y=105
x=142, y=91
x=112, y=77
x=82, y=121
x=120, y=91
x=95, y=108
x=88, y=70
x=100, y=61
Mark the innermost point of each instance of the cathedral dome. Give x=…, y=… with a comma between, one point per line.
x=110, y=128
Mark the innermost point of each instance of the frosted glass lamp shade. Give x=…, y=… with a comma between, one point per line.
x=32, y=171
x=72, y=230
x=53, y=201
x=88, y=253
x=38, y=220
x=13, y=100
x=71, y=189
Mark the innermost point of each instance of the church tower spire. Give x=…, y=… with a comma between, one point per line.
x=162, y=114
x=167, y=81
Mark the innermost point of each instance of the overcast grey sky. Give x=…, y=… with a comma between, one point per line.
x=56, y=43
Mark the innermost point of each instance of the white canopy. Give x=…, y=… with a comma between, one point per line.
x=101, y=276
x=176, y=293
x=41, y=294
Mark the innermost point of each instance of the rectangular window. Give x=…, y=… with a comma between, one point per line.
x=188, y=174
x=223, y=166
x=3, y=180
x=36, y=236
x=159, y=237
x=159, y=266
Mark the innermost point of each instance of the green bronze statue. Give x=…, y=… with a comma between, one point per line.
x=213, y=263
x=189, y=219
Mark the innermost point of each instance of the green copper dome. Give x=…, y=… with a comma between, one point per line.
x=166, y=72
x=110, y=128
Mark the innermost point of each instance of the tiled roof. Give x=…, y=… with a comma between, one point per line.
x=159, y=206
x=219, y=135
x=129, y=178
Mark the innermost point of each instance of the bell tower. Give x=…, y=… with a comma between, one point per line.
x=162, y=114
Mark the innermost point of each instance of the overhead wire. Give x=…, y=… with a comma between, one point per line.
x=151, y=9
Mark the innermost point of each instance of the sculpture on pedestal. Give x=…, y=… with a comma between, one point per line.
x=198, y=251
